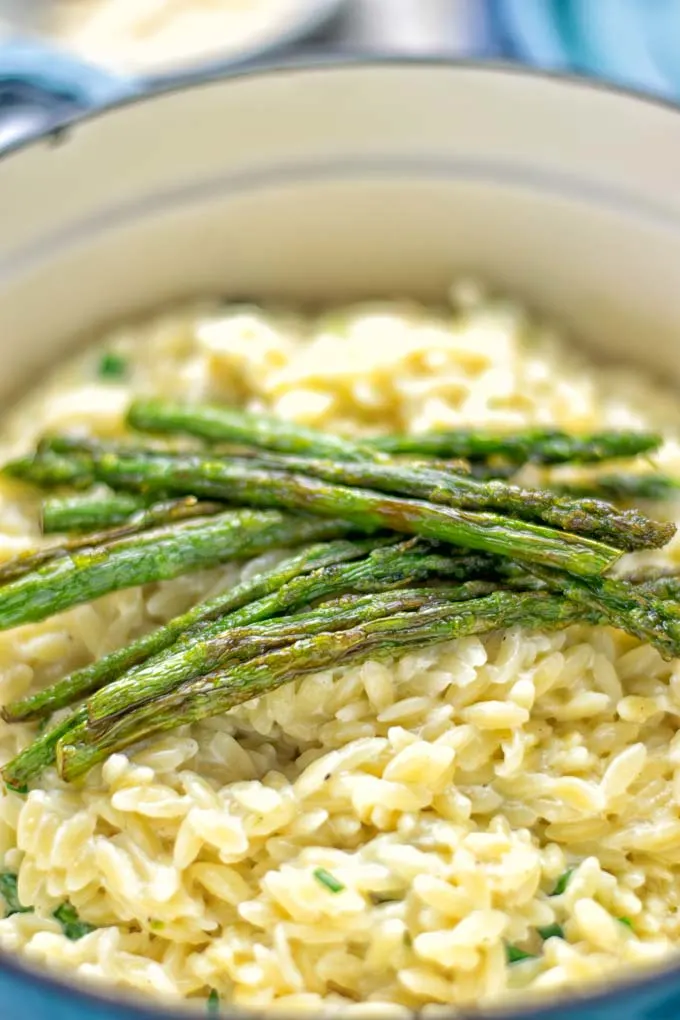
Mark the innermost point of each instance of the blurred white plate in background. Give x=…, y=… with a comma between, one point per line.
x=150, y=38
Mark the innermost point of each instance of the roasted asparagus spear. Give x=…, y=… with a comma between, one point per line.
x=626, y=529
x=217, y=692
x=238, y=481
x=624, y=487
x=537, y=446
x=91, y=678
x=226, y=424
x=638, y=609
x=67, y=514
x=383, y=570
x=164, y=673
x=156, y=555
x=544, y=446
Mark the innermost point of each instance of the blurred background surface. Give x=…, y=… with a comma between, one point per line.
x=61, y=56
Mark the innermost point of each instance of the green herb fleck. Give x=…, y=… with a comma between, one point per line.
x=627, y=921
x=9, y=892
x=378, y=898
x=330, y=881
x=551, y=931
x=407, y=939
x=214, y=1002
x=71, y=924
x=156, y=925
x=112, y=366
x=22, y=790
x=515, y=955
x=562, y=882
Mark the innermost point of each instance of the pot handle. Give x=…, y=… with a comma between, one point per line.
x=41, y=87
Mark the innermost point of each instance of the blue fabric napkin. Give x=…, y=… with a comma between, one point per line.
x=40, y=87
x=59, y=74
x=628, y=42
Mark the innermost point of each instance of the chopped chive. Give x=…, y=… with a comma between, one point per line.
x=112, y=366
x=515, y=955
x=627, y=921
x=214, y=1002
x=73, y=928
x=377, y=899
x=562, y=882
x=9, y=892
x=156, y=925
x=551, y=931
x=22, y=789
x=329, y=881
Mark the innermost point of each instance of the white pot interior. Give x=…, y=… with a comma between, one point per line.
x=316, y=183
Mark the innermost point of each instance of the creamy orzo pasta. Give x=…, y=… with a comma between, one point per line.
x=384, y=833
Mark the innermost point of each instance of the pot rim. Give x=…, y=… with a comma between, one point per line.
x=323, y=61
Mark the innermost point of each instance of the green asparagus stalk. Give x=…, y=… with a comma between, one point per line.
x=625, y=487
x=41, y=754
x=156, y=555
x=238, y=644
x=241, y=483
x=626, y=529
x=50, y=470
x=486, y=470
x=665, y=587
x=570, y=508
x=537, y=446
x=162, y=672
x=318, y=572
x=226, y=424
x=155, y=515
x=224, y=689
x=246, y=596
x=405, y=563
x=168, y=512
x=661, y=582
x=635, y=609
x=544, y=446
x=66, y=514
